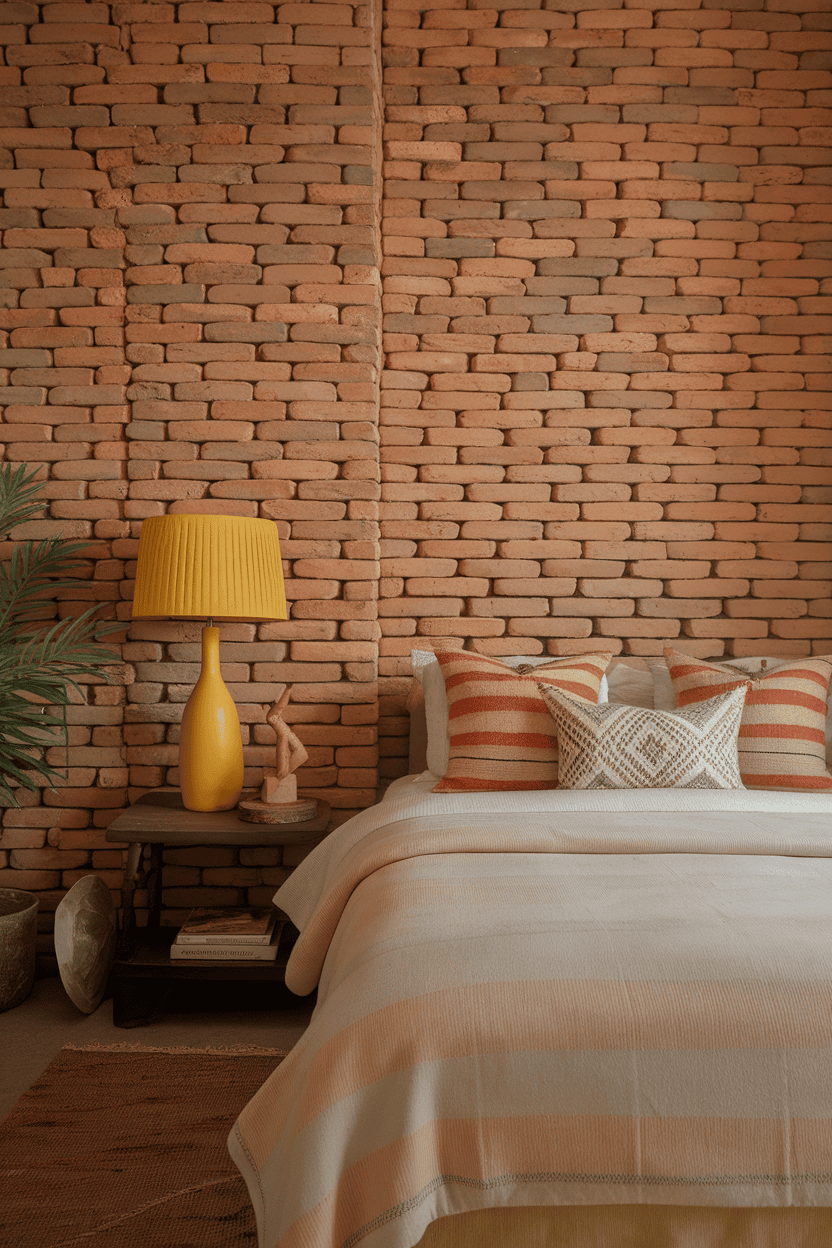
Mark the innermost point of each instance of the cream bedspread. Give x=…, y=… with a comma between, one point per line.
x=551, y=998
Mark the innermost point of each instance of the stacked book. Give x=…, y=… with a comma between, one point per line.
x=243, y=935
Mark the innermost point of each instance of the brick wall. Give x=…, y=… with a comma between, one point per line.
x=604, y=415
x=189, y=299
x=606, y=410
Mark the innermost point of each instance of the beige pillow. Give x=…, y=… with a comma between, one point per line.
x=631, y=747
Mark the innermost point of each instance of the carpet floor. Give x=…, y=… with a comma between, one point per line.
x=125, y=1147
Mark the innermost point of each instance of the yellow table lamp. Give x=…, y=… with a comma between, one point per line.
x=209, y=567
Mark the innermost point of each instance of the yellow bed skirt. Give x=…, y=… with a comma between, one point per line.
x=632, y=1226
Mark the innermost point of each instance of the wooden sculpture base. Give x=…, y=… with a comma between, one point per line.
x=253, y=810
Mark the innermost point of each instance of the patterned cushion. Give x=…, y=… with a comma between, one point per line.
x=631, y=747
x=782, y=742
x=501, y=735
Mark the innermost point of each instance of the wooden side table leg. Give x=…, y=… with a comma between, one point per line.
x=154, y=918
x=135, y=1001
x=127, y=935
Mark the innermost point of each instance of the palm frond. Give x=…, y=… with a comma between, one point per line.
x=18, y=497
x=30, y=580
x=42, y=660
x=29, y=730
x=24, y=779
x=70, y=645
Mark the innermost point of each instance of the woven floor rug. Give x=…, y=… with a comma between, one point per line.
x=125, y=1147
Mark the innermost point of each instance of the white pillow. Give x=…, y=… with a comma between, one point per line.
x=626, y=684
x=663, y=699
x=426, y=669
x=630, y=681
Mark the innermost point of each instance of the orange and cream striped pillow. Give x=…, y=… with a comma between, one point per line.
x=501, y=733
x=782, y=741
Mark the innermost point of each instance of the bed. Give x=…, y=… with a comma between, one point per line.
x=583, y=1018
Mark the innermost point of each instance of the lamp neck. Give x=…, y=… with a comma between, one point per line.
x=210, y=650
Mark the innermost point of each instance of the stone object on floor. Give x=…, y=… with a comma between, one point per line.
x=85, y=941
x=18, y=933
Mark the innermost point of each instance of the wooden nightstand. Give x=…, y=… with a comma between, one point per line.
x=143, y=969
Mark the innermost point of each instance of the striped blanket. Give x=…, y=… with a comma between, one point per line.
x=557, y=998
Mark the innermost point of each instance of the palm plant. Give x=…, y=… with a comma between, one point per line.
x=40, y=660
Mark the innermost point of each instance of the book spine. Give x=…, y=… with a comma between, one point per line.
x=184, y=938
x=251, y=953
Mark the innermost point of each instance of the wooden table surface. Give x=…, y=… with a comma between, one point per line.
x=160, y=817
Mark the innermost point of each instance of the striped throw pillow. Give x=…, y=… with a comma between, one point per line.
x=782, y=741
x=501, y=734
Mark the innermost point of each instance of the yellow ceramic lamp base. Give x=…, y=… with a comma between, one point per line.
x=210, y=744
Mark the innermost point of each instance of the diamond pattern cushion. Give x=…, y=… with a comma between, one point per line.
x=782, y=742
x=501, y=735
x=630, y=747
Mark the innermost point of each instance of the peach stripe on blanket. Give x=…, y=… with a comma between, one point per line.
x=567, y=1015
x=500, y=1022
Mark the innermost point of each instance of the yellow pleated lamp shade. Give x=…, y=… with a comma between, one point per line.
x=224, y=567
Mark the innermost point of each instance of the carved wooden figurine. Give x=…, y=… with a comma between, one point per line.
x=278, y=802
x=280, y=783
